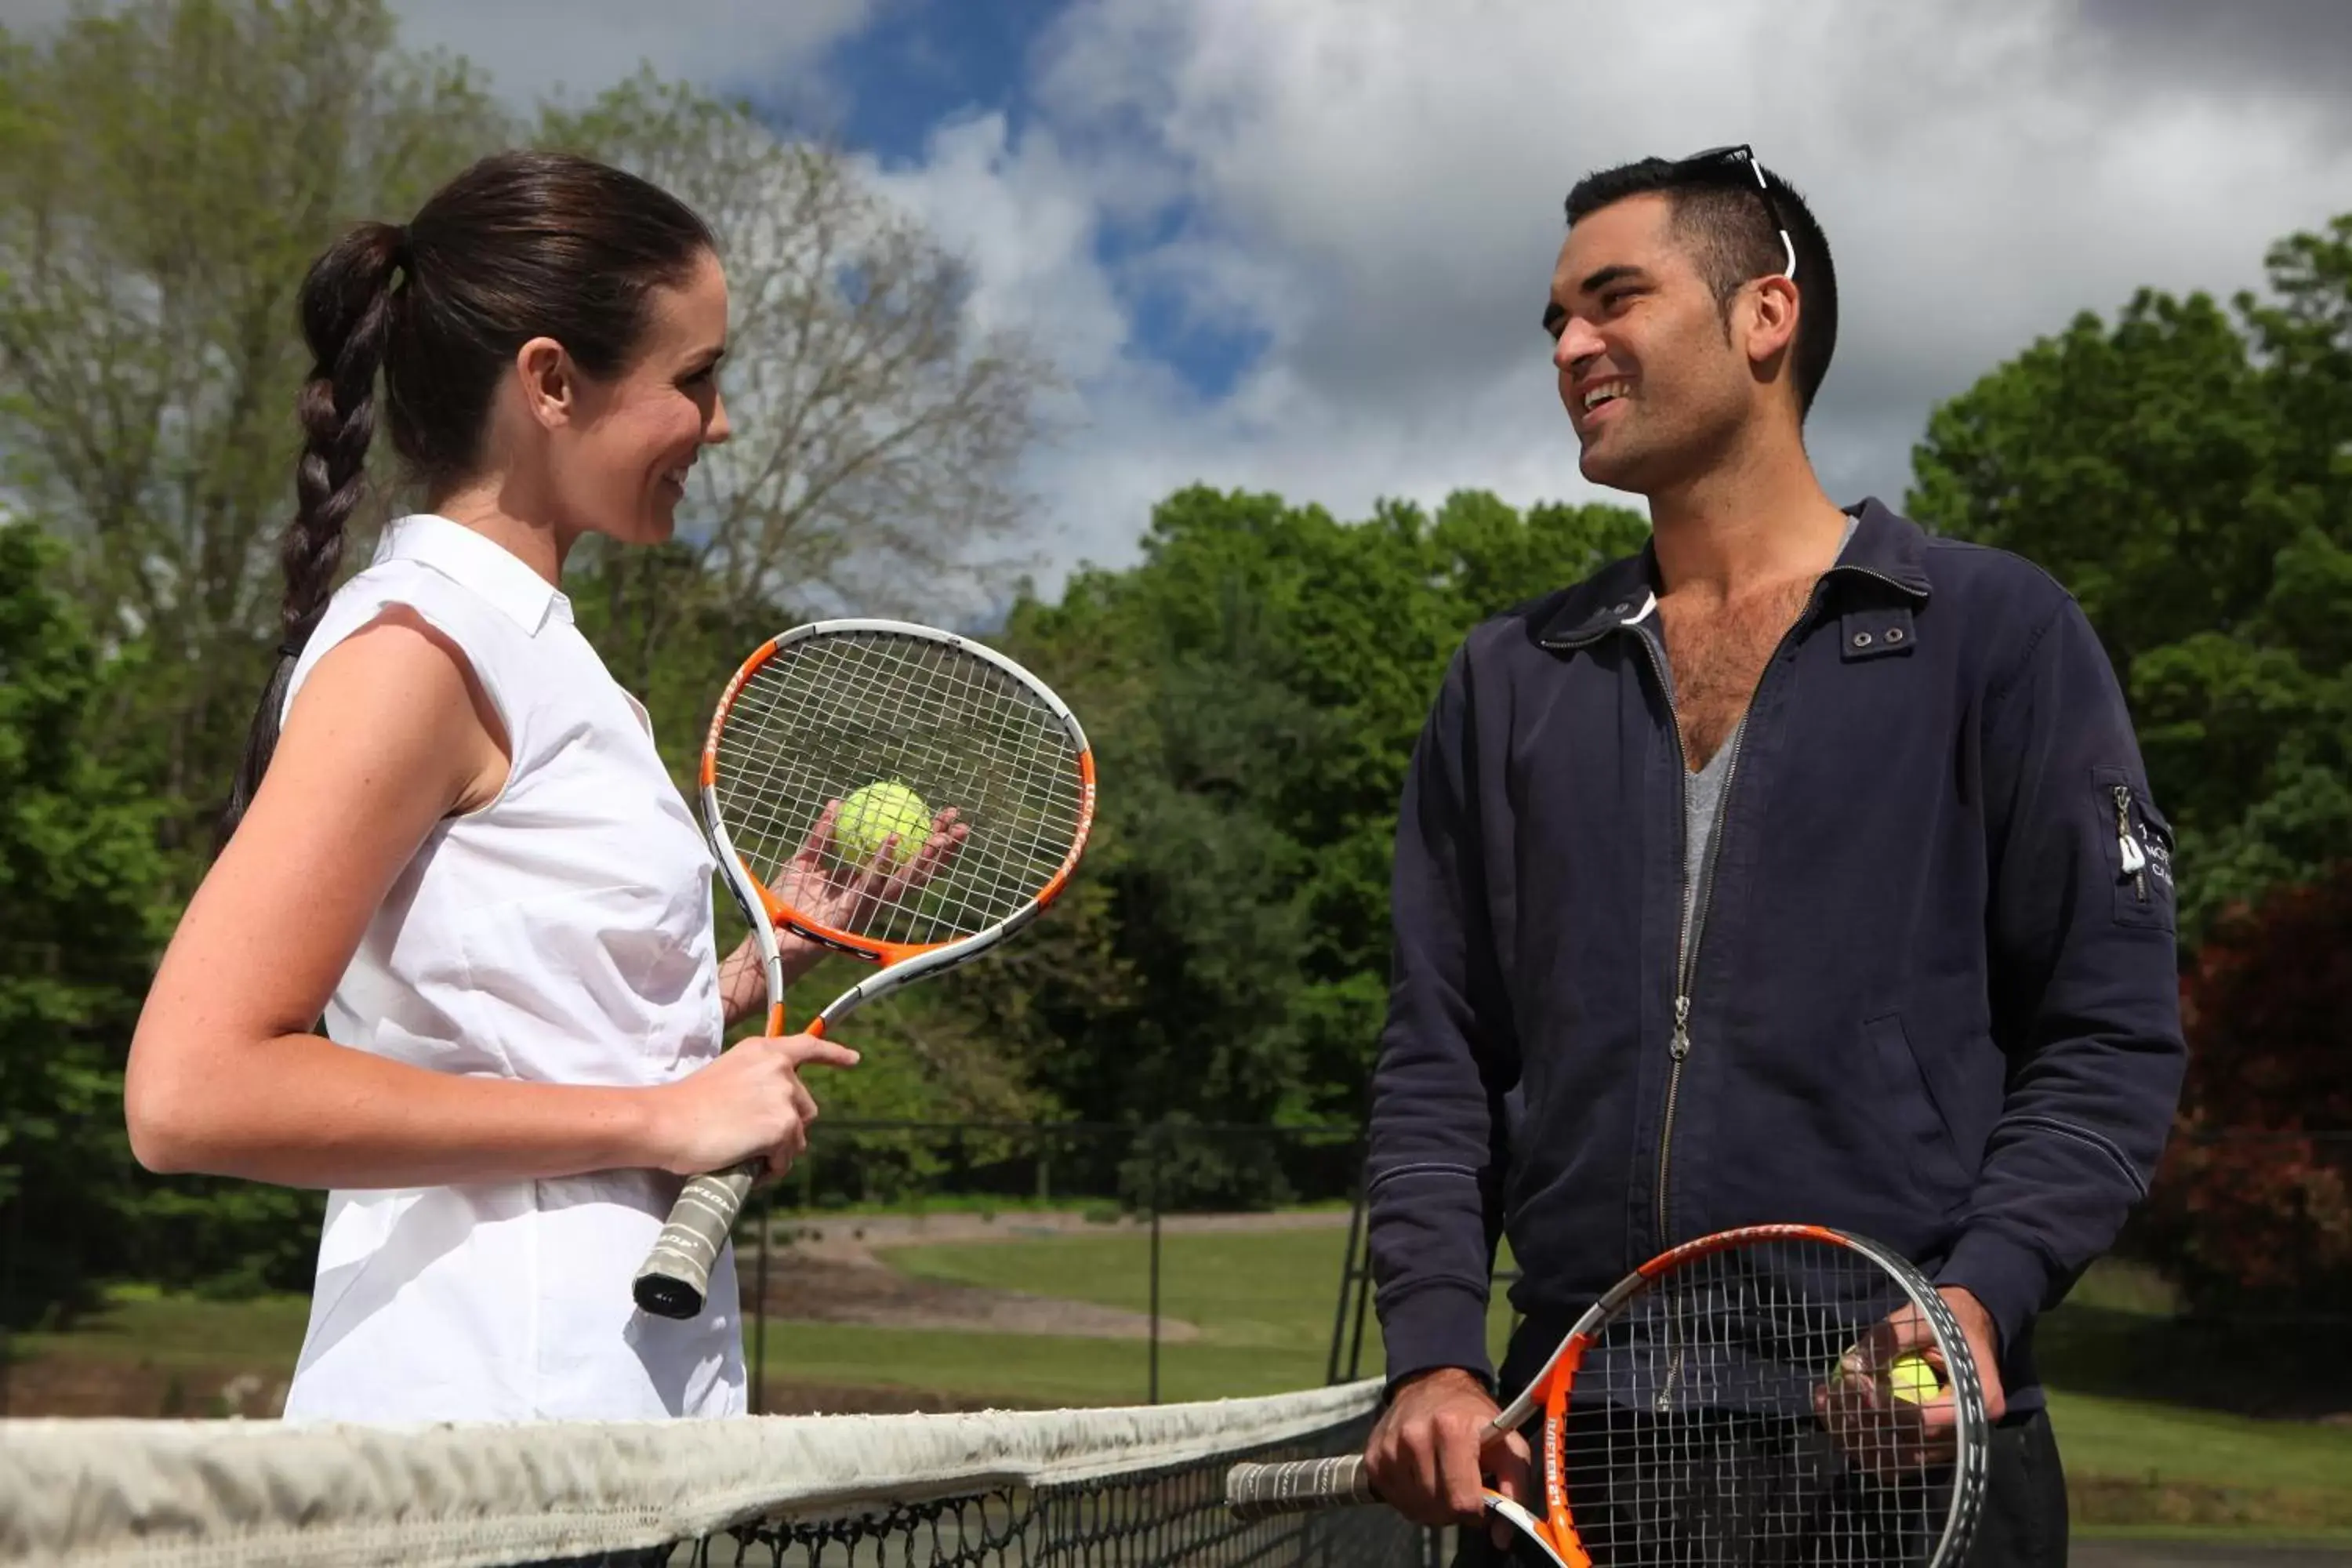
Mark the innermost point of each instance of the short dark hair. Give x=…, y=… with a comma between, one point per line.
x=521, y=245
x=1719, y=212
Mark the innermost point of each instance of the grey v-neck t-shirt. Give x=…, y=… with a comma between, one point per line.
x=1703, y=794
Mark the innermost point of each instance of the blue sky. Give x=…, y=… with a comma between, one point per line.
x=917, y=64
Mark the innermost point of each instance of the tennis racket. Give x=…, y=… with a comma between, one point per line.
x=1747, y=1397
x=932, y=796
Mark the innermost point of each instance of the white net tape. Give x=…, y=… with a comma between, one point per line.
x=200, y=1494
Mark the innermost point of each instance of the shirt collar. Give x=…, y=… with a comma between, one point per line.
x=488, y=568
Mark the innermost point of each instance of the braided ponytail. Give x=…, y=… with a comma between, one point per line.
x=346, y=308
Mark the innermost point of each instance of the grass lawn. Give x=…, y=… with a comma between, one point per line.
x=1263, y=1302
x=2142, y=1405
x=2131, y=1439
x=145, y=1328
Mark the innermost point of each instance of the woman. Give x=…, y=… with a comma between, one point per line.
x=461, y=847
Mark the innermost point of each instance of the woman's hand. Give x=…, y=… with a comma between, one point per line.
x=748, y=1103
x=822, y=885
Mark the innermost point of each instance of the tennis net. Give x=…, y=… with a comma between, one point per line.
x=1123, y=1486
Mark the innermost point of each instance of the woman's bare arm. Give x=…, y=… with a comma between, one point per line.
x=389, y=734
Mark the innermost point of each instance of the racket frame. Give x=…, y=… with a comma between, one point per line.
x=1304, y=1485
x=674, y=1278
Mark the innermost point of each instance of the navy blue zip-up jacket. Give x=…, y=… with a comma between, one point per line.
x=1934, y=1000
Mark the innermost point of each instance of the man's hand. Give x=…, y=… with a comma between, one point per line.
x=1984, y=1345
x=1434, y=1442
x=1888, y=1435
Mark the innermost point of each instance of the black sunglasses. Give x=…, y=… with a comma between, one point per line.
x=1727, y=157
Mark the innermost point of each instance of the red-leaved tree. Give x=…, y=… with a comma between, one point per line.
x=2252, y=1207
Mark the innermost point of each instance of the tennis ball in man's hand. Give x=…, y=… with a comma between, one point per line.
x=872, y=815
x=1913, y=1380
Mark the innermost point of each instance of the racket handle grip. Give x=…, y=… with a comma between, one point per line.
x=676, y=1274
x=1299, y=1486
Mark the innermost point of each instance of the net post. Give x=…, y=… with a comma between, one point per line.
x=1348, y=1272
x=759, y=1401
x=1152, y=1196
x=8, y=1284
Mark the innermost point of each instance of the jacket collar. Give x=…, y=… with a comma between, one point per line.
x=1885, y=545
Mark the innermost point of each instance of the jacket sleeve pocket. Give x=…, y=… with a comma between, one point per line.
x=2137, y=844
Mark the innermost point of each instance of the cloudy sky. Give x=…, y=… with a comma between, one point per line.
x=1302, y=244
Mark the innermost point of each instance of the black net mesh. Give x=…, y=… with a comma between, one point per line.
x=1170, y=1514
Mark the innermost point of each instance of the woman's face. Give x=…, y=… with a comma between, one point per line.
x=634, y=437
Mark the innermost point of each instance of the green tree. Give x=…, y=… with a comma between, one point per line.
x=78, y=916
x=2184, y=471
x=167, y=169
x=1253, y=688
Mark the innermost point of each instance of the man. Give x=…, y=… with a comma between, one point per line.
x=1802, y=867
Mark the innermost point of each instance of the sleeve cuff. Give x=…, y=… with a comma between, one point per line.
x=1437, y=1326
x=2010, y=1279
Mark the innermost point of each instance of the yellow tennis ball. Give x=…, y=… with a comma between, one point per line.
x=1913, y=1379
x=872, y=815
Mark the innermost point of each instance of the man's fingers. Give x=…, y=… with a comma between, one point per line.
x=1409, y=1468
x=1513, y=1463
x=1399, y=1471
x=1460, y=1453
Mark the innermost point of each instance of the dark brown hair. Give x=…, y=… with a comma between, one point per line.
x=1731, y=238
x=522, y=245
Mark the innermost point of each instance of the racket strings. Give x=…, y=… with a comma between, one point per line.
x=825, y=717
x=1698, y=1433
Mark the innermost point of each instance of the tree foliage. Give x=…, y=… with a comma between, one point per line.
x=78, y=920
x=2187, y=472
x=168, y=171
x=1254, y=689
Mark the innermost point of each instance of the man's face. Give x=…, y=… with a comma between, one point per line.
x=1649, y=383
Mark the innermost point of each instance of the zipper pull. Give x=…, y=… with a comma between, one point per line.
x=1681, y=1047
x=2135, y=859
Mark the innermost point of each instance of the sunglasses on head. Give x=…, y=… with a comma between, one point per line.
x=1716, y=158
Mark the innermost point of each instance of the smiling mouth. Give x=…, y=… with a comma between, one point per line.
x=1602, y=394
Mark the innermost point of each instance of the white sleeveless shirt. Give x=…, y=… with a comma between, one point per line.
x=561, y=934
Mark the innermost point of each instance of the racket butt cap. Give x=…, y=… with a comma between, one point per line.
x=667, y=1298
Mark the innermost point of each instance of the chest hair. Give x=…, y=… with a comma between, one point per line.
x=1716, y=650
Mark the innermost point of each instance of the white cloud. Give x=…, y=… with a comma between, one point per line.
x=1375, y=189
x=533, y=48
